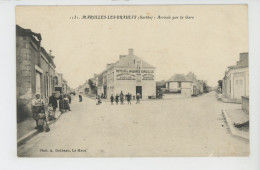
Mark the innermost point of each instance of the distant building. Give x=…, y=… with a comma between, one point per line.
x=236, y=79
x=61, y=85
x=179, y=83
x=130, y=74
x=160, y=86
x=197, y=85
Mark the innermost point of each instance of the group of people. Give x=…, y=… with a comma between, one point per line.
x=38, y=108
x=122, y=97
x=64, y=103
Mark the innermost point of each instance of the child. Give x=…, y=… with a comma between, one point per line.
x=51, y=115
x=98, y=99
x=41, y=120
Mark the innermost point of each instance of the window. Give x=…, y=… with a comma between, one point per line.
x=138, y=64
x=138, y=78
x=38, y=82
x=179, y=84
x=56, y=82
x=230, y=86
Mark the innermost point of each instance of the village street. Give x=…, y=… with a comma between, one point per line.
x=177, y=127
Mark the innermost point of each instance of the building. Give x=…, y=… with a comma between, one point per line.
x=61, y=85
x=35, y=70
x=48, y=75
x=160, y=86
x=197, y=85
x=179, y=83
x=130, y=74
x=84, y=88
x=236, y=79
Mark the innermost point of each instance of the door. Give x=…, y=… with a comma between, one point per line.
x=239, y=88
x=139, y=90
x=194, y=90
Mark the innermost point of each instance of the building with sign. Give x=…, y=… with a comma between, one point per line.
x=130, y=74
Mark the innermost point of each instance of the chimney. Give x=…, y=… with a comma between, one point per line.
x=130, y=52
x=52, y=57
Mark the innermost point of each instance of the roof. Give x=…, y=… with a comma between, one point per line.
x=243, y=61
x=130, y=62
x=179, y=78
x=22, y=31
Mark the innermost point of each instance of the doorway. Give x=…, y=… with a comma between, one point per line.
x=139, y=90
x=239, y=88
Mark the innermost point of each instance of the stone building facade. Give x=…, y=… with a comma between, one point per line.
x=35, y=71
x=48, y=75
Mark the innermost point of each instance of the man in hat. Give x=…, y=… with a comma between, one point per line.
x=37, y=106
x=54, y=103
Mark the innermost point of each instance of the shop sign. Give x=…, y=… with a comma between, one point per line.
x=125, y=76
x=148, y=77
x=147, y=71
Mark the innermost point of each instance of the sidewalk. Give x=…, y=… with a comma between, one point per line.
x=25, y=129
x=226, y=100
x=237, y=116
x=221, y=97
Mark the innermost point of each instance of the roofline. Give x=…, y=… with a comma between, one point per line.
x=235, y=69
x=48, y=57
x=179, y=81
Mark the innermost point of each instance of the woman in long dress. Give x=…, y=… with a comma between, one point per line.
x=37, y=106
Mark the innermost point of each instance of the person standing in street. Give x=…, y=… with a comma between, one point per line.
x=137, y=98
x=66, y=103
x=69, y=97
x=112, y=99
x=122, y=97
x=37, y=106
x=128, y=98
x=54, y=103
x=80, y=98
x=117, y=99
x=98, y=100
x=61, y=103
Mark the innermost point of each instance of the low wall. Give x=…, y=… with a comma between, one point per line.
x=245, y=104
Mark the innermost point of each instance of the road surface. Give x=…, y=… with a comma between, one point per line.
x=177, y=127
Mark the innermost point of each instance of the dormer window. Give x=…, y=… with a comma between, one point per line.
x=138, y=64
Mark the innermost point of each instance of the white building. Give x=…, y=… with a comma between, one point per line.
x=236, y=79
x=179, y=83
x=130, y=74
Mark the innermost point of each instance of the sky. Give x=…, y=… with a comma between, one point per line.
x=205, y=45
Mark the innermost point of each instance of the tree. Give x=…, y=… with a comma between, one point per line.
x=91, y=84
x=206, y=87
x=220, y=85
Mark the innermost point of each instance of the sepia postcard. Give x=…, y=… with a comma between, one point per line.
x=132, y=81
